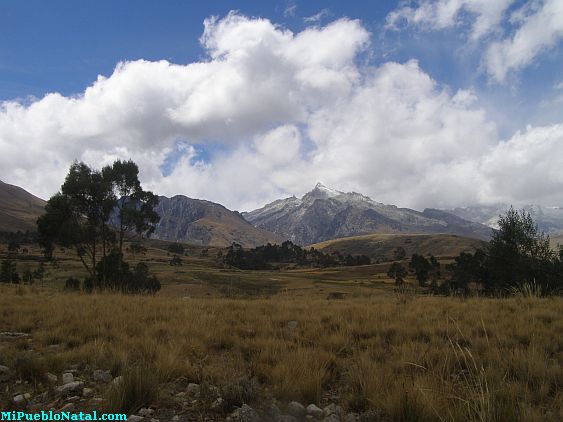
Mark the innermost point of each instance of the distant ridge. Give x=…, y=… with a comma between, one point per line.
x=325, y=213
x=206, y=223
x=19, y=209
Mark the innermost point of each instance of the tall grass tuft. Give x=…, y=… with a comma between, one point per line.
x=528, y=290
x=137, y=388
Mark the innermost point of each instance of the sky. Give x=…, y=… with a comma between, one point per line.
x=425, y=103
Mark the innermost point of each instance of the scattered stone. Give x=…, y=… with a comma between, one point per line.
x=70, y=387
x=272, y=412
x=134, y=418
x=212, y=391
x=193, y=389
x=292, y=325
x=332, y=409
x=21, y=398
x=52, y=378
x=175, y=418
x=155, y=420
x=8, y=335
x=315, y=411
x=146, y=412
x=68, y=377
x=69, y=407
x=352, y=417
x=5, y=373
x=245, y=414
x=102, y=376
x=332, y=418
x=117, y=380
x=181, y=395
x=73, y=399
x=87, y=392
x=218, y=404
x=296, y=409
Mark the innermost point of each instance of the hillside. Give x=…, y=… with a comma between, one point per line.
x=382, y=246
x=206, y=223
x=324, y=214
x=19, y=209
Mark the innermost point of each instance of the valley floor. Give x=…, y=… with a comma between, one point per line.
x=391, y=356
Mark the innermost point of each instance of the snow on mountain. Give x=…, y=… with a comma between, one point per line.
x=325, y=213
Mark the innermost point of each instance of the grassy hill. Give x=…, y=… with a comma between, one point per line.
x=382, y=246
x=18, y=208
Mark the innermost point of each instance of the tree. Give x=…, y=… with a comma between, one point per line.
x=421, y=268
x=76, y=216
x=467, y=268
x=79, y=215
x=133, y=207
x=397, y=272
x=519, y=253
x=176, y=261
x=399, y=253
x=8, y=272
x=13, y=247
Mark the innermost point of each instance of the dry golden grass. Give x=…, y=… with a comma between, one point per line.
x=406, y=357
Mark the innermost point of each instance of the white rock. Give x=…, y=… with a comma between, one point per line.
x=296, y=409
x=245, y=414
x=87, y=392
x=21, y=398
x=146, y=412
x=70, y=387
x=68, y=377
x=218, y=404
x=193, y=389
x=315, y=411
x=332, y=409
x=117, y=380
x=102, y=376
x=52, y=378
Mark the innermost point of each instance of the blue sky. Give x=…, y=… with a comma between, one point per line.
x=509, y=90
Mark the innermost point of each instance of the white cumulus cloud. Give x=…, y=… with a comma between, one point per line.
x=276, y=112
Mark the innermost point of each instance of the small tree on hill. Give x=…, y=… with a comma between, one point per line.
x=397, y=272
x=421, y=268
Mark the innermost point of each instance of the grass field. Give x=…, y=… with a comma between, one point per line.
x=391, y=355
x=405, y=357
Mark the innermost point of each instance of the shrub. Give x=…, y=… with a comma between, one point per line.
x=72, y=284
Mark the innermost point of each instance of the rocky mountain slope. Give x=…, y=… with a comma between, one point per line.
x=324, y=214
x=19, y=209
x=548, y=219
x=202, y=222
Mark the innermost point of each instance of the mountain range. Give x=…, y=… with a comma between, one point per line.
x=325, y=213
x=548, y=219
x=319, y=215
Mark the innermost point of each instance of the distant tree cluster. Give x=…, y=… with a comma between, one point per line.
x=176, y=248
x=10, y=274
x=271, y=256
x=19, y=237
x=93, y=213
